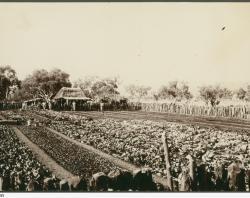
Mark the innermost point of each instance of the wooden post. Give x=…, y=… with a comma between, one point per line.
x=167, y=161
x=191, y=166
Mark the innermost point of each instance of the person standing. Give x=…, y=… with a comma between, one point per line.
x=101, y=107
x=23, y=105
x=50, y=105
x=73, y=105
x=44, y=105
x=90, y=105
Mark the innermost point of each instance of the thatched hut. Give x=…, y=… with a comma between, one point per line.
x=67, y=97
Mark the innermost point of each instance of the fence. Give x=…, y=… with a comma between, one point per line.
x=96, y=107
x=232, y=111
x=237, y=111
x=10, y=105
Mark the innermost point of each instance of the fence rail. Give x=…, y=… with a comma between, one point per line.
x=230, y=111
x=237, y=111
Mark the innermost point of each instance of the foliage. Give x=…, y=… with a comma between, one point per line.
x=213, y=94
x=175, y=90
x=105, y=88
x=44, y=84
x=86, y=84
x=226, y=93
x=248, y=93
x=9, y=82
x=138, y=91
x=184, y=91
x=99, y=89
x=241, y=94
x=155, y=96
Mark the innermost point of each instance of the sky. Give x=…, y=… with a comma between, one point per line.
x=143, y=43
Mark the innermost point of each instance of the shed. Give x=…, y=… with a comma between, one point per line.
x=67, y=95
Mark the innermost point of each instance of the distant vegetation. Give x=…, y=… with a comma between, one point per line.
x=45, y=84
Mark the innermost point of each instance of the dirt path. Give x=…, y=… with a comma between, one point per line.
x=42, y=157
x=116, y=161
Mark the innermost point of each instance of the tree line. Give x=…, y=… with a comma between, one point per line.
x=179, y=91
x=45, y=84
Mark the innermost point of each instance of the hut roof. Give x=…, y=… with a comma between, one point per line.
x=71, y=94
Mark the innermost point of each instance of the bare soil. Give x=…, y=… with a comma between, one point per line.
x=42, y=157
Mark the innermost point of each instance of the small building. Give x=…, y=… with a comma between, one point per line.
x=32, y=102
x=70, y=99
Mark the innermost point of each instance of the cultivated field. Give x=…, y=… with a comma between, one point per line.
x=135, y=138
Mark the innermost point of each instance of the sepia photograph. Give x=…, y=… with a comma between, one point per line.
x=124, y=97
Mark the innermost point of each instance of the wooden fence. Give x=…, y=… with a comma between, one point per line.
x=237, y=111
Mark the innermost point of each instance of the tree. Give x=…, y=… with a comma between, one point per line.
x=163, y=92
x=131, y=90
x=241, y=94
x=105, y=88
x=155, y=96
x=9, y=82
x=138, y=91
x=248, y=93
x=175, y=90
x=184, y=92
x=99, y=88
x=86, y=85
x=172, y=89
x=226, y=93
x=213, y=94
x=44, y=84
